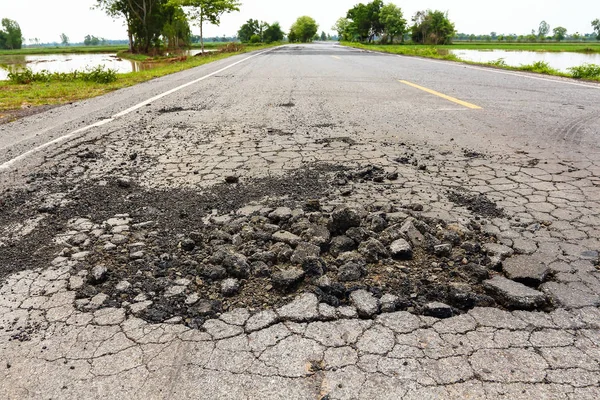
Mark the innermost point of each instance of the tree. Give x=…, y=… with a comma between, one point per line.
x=393, y=21
x=251, y=27
x=432, y=27
x=596, y=26
x=303, y=30
x=543, y=29
x=323, y=36
x=208, y=10
x=366, y=23
x=176, y=29
x=64, y=39
x=341, y=27
x=273, y=33
x=120, y=9
x=559, y=33
x=10, y=35
x=145, y=20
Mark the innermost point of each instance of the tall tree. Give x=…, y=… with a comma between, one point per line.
x=303, y=30
x=393, y=21
x=250, y=28
x=323, y=36
x=596, y=26
x=64, y=39
x=176, y=29
x=543, y=29
x=11, y=36
x=432, y=27
x=366, y=22
x=208, y=10
x=342, y=26
x=559, y=33
x=273, y=33
x=120, y=9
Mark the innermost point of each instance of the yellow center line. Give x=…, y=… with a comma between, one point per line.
x=336, y=57
x=443, y=96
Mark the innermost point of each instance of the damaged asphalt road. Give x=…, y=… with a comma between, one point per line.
x=304, y=228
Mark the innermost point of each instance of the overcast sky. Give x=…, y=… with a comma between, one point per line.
x=47, y=19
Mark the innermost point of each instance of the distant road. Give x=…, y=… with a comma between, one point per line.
x=426, y=99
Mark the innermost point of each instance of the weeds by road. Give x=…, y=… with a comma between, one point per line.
x=586, y=71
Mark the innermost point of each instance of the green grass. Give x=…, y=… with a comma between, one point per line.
x=589, y=71
x=408, y=50
x=15, y=96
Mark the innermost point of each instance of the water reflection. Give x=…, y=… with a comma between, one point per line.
x=561, y=61
x=72, y=62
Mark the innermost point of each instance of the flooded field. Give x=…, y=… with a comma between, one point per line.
x=561, y=61
x=71, y=62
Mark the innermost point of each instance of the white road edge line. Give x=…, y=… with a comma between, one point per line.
x=492, y=70
x=7, y=165
x=495, y=71
x=23, y=156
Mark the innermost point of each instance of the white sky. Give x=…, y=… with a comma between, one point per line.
x=47, y=19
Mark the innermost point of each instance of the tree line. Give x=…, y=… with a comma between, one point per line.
x=11, y=37
x=153, y=23
x=541, y=34
x=366, y=22
x=303, y=30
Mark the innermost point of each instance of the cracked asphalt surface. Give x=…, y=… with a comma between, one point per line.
x=524, y=170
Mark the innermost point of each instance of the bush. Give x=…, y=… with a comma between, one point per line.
x=231, y=48
x=96, y=75
x=21, y=77
x=585, y=71
x=498, y=63
x=541, y=67
x=255, y=39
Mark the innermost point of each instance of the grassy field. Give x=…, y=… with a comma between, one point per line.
x=442, y=53
x=14, y=96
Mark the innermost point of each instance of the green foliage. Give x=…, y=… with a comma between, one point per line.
x=432, y=27
x=586, y=71
x=150, y=21
x=208, y=10
x=393, y=21
x=559, y=33
x=410, y=50
x=96, y=75
x=64, y=39
x=176, y=29
x=498, y=63
x=365, y=20
x=273, y=33
x=342, y=26
x=254, y=31
x=91, y=40
x=543, y=29
x=303, y=30
x=596, y=26
x=540, y=67
x=250, y=28
x=10, y=35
